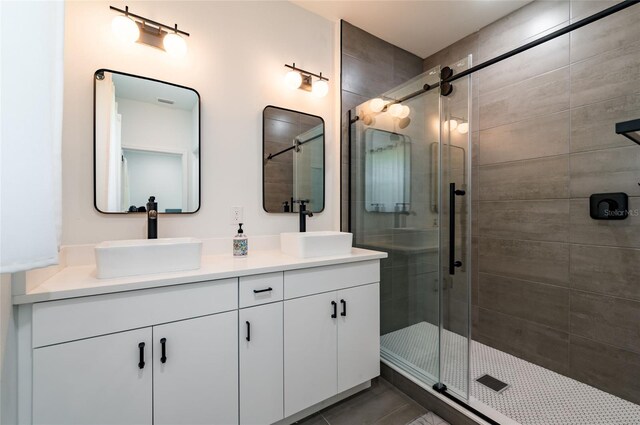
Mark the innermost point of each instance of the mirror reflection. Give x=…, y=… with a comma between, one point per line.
x=293, y=161
x=387, y=171
x=146, y=143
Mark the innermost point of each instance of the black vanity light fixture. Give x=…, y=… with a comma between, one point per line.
x=130, y=28
x=630, y=130
x=298, y=78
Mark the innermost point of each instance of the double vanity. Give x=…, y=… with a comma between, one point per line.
x=177, y=331
x=265, y=339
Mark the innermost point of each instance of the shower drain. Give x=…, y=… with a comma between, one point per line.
x=492, y=383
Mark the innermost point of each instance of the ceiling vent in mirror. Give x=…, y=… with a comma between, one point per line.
x=132, y=28
x=167, y=101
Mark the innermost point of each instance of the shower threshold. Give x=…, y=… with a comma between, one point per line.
x=535, y=396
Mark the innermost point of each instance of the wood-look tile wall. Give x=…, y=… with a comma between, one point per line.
x=550, y=284
x=370, y=67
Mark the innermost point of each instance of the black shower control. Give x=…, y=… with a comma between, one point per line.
x=609, y=206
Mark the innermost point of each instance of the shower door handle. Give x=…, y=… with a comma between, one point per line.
x=453, y=263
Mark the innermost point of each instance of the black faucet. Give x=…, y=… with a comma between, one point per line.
x=303, y=215
x=400, y=215
x=152, y=218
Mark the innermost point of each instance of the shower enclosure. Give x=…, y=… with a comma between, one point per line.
x=530, y=169
x=410, y=185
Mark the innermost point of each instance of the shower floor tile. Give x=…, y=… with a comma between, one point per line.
x=535, y=396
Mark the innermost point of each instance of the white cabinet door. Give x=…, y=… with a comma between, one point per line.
x=358, y=335
x=196, y=381
x=94, y=381
x=310, y=360
x=261, y=369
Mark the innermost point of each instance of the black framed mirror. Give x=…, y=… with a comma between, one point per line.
x=293, y=161
x=146, y=142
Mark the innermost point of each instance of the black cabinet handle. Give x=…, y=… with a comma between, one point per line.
x=141, y=362
x=163, y=342
x=453, y=263
x=335, y=309
x=257, y=291
x=248, y=331
x=344, y=308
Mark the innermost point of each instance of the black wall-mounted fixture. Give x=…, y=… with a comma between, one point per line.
x=630, y=130
x=609, y=206
x=132, y=27
x=298, y=78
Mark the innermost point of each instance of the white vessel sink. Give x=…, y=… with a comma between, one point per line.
x=144, y=256
x=315, y=244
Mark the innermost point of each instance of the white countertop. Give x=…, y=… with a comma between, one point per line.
x=81, y=281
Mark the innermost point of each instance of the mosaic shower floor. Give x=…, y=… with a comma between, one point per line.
x=535, y=396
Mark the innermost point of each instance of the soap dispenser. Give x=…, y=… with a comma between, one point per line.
x=240, y=243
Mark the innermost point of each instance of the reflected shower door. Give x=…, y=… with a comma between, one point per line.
x=455, y=234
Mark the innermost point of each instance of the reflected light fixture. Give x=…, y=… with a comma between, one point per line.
x=376, y=105
x=130, y=28
x=298, y=78
x=395, y=110
x=404, y=113
x=456, y=123
x=630, y=130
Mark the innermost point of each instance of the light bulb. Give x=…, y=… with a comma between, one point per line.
x=320, y=88
x=293, y=79
x=174, y=45
x=404, y=113
x=452, y=124
x=463, y=128
x=125, y=29
x=395, y=110
x=376, y=105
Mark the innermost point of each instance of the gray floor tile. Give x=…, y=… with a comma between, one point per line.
x=316, y=419
x=367, y=407
x=403, y=415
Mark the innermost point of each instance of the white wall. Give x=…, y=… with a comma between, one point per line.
x=165, y=129
x=237, y=52
x=155, y=174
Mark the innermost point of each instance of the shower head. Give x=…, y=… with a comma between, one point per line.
x=630, y=130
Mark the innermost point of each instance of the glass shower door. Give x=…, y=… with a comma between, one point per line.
x=394, y=195
x=455, y=234
x=402, y=163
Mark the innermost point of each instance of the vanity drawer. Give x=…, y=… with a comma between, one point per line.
x=76, y=318
x=261, y=289
x=299, y=283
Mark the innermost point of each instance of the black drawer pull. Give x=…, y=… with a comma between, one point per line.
x=163, y=342
x=257, y=291
x=344, y=308
x=248, y=331
x=141, y=362
x=335, y=309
